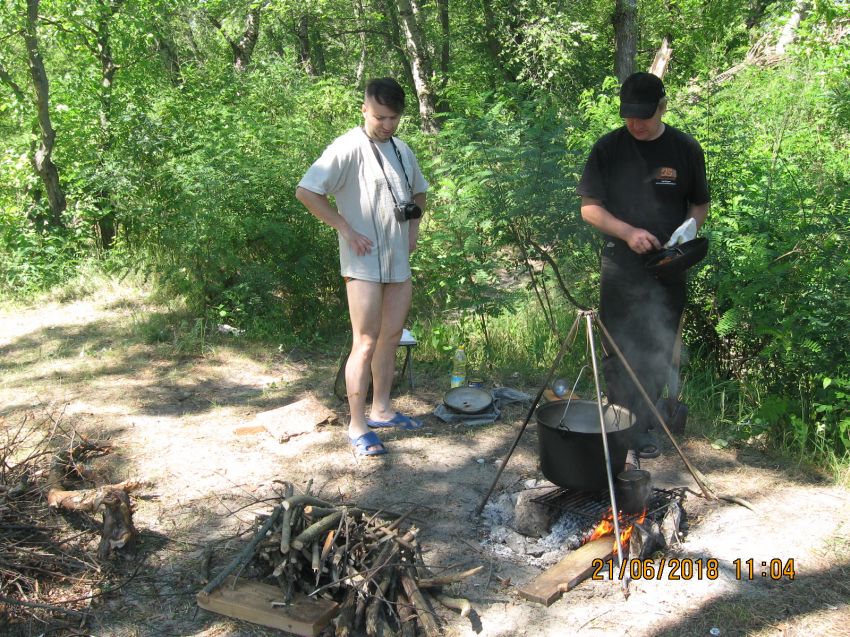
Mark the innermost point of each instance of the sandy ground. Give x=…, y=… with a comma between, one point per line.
x=177, y=421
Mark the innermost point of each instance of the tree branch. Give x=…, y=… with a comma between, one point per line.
x=8, y=81
x=61, y=27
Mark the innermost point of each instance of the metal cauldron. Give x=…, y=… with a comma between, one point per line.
x=571, y=451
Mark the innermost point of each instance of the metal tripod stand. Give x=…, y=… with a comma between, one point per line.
x=589, y=317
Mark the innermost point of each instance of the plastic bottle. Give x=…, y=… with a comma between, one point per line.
x=459, y=368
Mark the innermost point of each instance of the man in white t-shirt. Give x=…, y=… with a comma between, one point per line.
x=379, y=192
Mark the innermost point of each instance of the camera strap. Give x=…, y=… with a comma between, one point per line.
x=381, y=164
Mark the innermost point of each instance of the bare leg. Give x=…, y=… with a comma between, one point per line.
x=394, y=308
x=364, y=306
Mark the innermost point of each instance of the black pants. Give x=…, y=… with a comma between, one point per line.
x=642, y=315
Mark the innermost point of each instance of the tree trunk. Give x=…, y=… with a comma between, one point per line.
x=318, y=48
x=420, y=64
x=491, y=40
x=789, y=31
x=361, y=61
x=662, y=58
x=42, y=160
x=394, y=38
x=7, y=79
x=494, y=47
x=303, y=33
x=625, y=29
x=170, y=61
x=245, y=47
x=106, y=222
x=443, y=7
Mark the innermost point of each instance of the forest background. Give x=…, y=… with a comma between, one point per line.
x=162, y=140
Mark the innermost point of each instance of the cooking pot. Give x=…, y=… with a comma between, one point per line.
x=632, y=488
x=676, y=259
x=570, y=440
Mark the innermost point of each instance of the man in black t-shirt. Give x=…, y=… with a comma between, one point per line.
x=641, y=186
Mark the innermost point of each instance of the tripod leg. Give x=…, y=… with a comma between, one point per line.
x=604, y=434
x=698, y=477
x=564, y=347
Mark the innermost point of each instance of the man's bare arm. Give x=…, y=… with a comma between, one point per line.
x=319, y=206
x=638, y=239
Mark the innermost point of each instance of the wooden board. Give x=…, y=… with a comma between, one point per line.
x=568, y=573
x=251, y=601
x=296, y=419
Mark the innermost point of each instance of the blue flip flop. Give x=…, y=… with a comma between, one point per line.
x=362, y=443
x=400, y=421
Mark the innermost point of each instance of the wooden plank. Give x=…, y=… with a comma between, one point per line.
x=296, y=419
x=252, y=602
x=568, y=573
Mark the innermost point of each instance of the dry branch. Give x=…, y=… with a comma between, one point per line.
x=42, y=559
x=246, y=554
x=446, y=580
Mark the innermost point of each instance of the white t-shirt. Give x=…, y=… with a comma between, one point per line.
x=349, y=170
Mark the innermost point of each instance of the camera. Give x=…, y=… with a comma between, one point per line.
x=407, y=210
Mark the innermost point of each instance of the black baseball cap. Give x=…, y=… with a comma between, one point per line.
x=640, y=94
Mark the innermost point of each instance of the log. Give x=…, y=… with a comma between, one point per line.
x=113, y=502
x=406, y=616
x=304, y=500
x=286, y=522
x=329, y=542
x=455, y=603
x=569, y=572
x=313, y=531
x=375, y=617
x=118, y=530
x=314, y=560
x=344, y=622
x=423, y=611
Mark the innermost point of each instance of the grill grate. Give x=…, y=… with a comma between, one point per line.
x=593, y=505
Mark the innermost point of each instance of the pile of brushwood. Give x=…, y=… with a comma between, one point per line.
x=363, y=560
x=50, y=570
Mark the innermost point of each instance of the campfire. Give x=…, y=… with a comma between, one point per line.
x=582, y=524
x=626, y=523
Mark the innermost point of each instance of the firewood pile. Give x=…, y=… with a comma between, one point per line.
x=48, y=569
x=365, y=561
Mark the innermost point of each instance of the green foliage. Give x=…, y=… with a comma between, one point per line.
x=831, y=409
x=226, y=231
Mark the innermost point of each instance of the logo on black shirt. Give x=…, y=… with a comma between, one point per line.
x=665, y=176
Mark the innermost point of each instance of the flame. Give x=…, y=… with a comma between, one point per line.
x=606, y=527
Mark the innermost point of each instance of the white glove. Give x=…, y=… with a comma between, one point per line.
x=685, y=232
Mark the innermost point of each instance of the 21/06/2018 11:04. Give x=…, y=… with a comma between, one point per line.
x=775, y=569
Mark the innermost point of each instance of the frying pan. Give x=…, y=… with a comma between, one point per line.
x=468, y=400
x=676, y=259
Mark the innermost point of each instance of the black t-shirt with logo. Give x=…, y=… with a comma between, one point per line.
x=647, y=184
